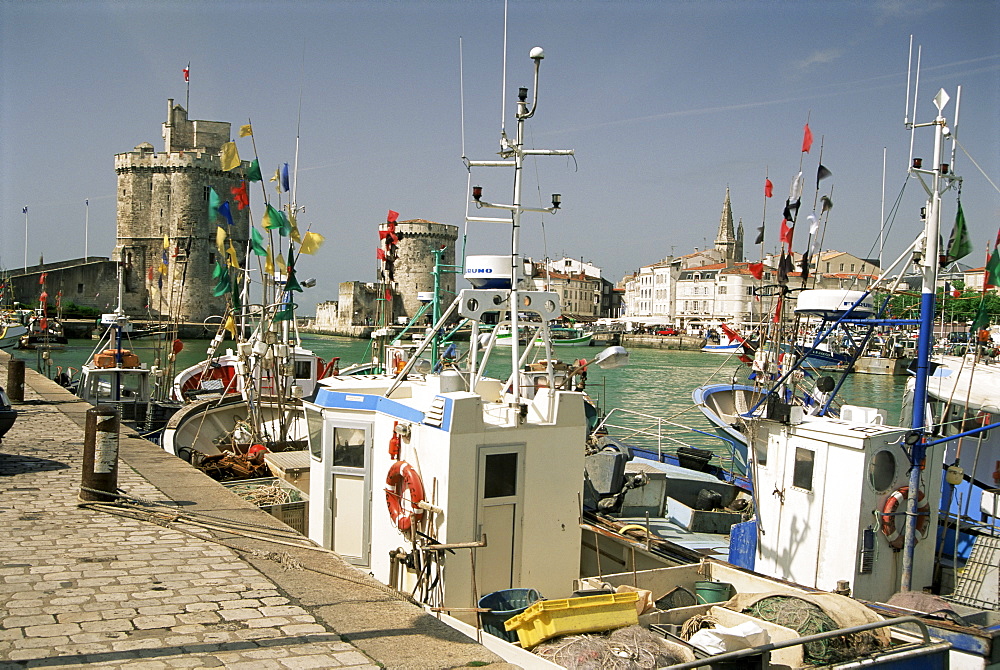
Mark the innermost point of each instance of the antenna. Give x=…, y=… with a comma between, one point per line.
x=916, y=88
x=909, y=70
x=954, y=126
x=468, y=178
x=503, y=82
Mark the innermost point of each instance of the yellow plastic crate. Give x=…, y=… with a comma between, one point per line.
x=590, y=614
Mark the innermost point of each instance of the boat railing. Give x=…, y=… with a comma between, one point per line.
x=668, y=435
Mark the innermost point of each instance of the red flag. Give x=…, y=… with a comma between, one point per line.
x=391, y=218
x=41, y=280
x=150, y=274
x=43, y=297
x=786, y=233
x=757, y=270
x=380, y=254
x=240, y=194
x=388, y=294
x=768, y=188
x=807, y=140
x=187, y=73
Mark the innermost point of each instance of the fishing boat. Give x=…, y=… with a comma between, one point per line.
x=43, y=331
x=11, y=332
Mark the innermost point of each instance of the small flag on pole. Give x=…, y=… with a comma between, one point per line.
x=768, y=188
x=187, y=73
x=230, y=156
x=246, y=130
x=807, y=139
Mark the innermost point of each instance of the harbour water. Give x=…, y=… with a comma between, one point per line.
x=656, y=383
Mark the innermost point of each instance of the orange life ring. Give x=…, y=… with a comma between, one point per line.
x=402, y=479
x=893, y=531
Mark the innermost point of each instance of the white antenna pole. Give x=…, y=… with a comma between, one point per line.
x=909, y=71
x=916, y=88
x=25, y=240
x=468, y=176
x=954, y=126
x=881, y=222
x=86, y=230
x=503, y=83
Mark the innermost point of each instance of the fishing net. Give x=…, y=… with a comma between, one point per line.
x=629, y=648
x=808, y=618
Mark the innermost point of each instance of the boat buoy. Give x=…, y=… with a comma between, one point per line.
x=893, y=531
x=403, y=484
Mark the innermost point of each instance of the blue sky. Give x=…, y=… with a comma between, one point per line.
x=667, y=104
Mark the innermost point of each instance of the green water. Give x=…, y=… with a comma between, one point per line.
x=656, y=383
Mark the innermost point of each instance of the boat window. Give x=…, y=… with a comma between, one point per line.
x=501, y=475
x=348, y=447
x=314, y=422
x=303, y=369
x=882, y=470
x=802, y=475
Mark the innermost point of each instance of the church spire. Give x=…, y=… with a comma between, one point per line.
x=725, y=240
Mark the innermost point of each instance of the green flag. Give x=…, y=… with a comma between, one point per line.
x=992, y=273
x=219, y=270
x=223, y=287
x=214, y=202
x=253, y=172
x=275, y=219
x=959, y=245
x=257, y=242
x=982, y=316
x=286, y=313
x=291, y=283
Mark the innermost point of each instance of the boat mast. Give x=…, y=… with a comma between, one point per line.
x=935, y=179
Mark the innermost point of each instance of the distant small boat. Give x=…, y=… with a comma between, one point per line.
x=11, y=333
x=560, y=337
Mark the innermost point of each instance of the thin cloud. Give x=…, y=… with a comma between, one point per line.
x=821, y=57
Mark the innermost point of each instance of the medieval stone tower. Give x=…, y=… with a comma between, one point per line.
x=729, y=242
x=166, y=242
x=414, y=266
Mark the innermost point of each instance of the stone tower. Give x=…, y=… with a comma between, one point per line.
x=414, y=266
x=164, y=196
x=727, y=242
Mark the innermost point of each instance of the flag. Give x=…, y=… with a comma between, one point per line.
x=791, y=210
x=230, y=156
x=277, y=178
x=253, y=172
x=214, y=201
x=224, y=211
x=827, y=204
x=230, y=326
x=807, y=139
x=257, y=243
x=760, y=235
x=166, y=241
x=234, y=260
x=246, y=130
x=187, y=72
x=149, y=275
x=269, y=261
x=218, y=270
x=273, y=219
x=785, y=266
x=220, y=239
x=786, y=233
x=223, y=287
x=959, y=245
x=311, y=243
x=284, y=178
x=280, y=264
x=991, y=277
x=293, y=224
x=286, y=313
x=768, y=188
x=805, y=265
x=380, y=254
x=757, y=270
x=41, y=279
x=822, y=173
x=240, y=195
x=795, y=190
x=24, y=210
x=291, y=283
x=391, y=218
x=813, y=224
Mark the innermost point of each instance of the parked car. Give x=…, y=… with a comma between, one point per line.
x=668, y=331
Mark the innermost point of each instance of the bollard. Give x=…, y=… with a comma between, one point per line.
x=100, y=455
x=15, y=380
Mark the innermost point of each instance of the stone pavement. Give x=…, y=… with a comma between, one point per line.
x=111, y=589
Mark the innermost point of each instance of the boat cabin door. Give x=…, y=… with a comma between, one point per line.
x=342, y=520
x=499, y=510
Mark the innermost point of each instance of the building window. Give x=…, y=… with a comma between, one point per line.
x=841, y=267
x=852, y=267
x=721, y=290
x=79, y=288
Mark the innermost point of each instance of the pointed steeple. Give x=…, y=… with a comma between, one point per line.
x=725, y=240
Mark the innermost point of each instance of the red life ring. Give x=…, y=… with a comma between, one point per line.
x=404, y=479
x=893, y=531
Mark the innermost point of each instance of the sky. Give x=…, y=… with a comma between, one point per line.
x=666, y=105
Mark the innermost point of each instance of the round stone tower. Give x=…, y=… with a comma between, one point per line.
x=414, y=266
x=166, y=242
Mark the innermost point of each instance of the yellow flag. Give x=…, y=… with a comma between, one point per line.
x=311, y=243
x=220, y=239
x=230, y=326
x=269, y=262
x=166, y=241
x=234, y=260
x=246, y=130
x=281, y=263
x=230, y=157
x=277, y=178
x=295, y=229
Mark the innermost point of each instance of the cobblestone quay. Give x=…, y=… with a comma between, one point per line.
x=105, y=587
